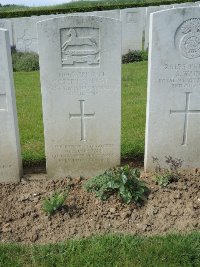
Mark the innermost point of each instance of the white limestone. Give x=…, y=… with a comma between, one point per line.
x=7, y=24
x=150, y=10
x=10, y=158
x=187, y=4
x=114, y=14
x=173, y=107
x=25, y=30
x=25, y=33
x=133, y=20
x=80, y=64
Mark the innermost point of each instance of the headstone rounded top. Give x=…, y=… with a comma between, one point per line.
x=78, y=18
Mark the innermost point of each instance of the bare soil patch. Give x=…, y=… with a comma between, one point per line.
x=173, y=209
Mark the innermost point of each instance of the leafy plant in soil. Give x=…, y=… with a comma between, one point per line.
x=55, y=202
x=124, y=181
x=164, y=177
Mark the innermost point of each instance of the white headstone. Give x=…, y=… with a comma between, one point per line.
x=114, y=14
x=7, y=24
x=187, y=4
x=133, y=20
x=173, y=107
x=10, y=158
x=80, y=64
x=150, y=10
x=25, y=33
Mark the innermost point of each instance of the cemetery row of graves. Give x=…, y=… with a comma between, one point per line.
x=80, y=75
x=80, y=79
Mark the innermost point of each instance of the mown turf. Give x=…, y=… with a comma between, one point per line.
x=134, y=84
x=133, y=112
x=106, y=251
x=29, y=109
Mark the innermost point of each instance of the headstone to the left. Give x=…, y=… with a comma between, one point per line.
x=7, y=24
x=10, y=157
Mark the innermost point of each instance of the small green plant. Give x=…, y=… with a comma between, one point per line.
x=164, y=180
x=124, y=181
x=54, y=202
x=164, y=177
x=24, y=61
x=134, y=56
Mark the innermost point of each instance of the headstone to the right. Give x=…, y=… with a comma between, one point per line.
x=187, y=4
x=10, y=157
x=80, y=66
x=150, y=10
x=173, y=107
x=133, y=20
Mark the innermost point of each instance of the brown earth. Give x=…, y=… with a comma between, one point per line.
x=173, y=209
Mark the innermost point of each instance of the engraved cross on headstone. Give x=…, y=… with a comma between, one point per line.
x=26, y=40
x=82, y=116
x=185, y=111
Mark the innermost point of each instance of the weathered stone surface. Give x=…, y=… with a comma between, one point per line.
x=188, y=4
x=7, y=24
x=114, y=14
x=133, y=21
x=150, y=10
x=81, y=89
x=10, y=158
x=25, y=29
x=25, y=32
x=173, y=107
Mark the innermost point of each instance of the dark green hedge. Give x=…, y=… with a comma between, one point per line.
x=84, y=8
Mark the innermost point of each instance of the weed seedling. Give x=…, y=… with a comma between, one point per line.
x=54, y=202
x=166, y=176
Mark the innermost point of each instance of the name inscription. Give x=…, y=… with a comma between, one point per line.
x=180, y=75
x=81, y=83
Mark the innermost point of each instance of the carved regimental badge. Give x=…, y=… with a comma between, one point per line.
x=80, y=47
x=187, y=38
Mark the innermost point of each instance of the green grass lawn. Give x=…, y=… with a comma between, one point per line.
x=29, y=108
x=108, y=251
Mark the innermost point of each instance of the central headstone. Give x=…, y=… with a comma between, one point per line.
x=80, y=63
x=173, y=109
